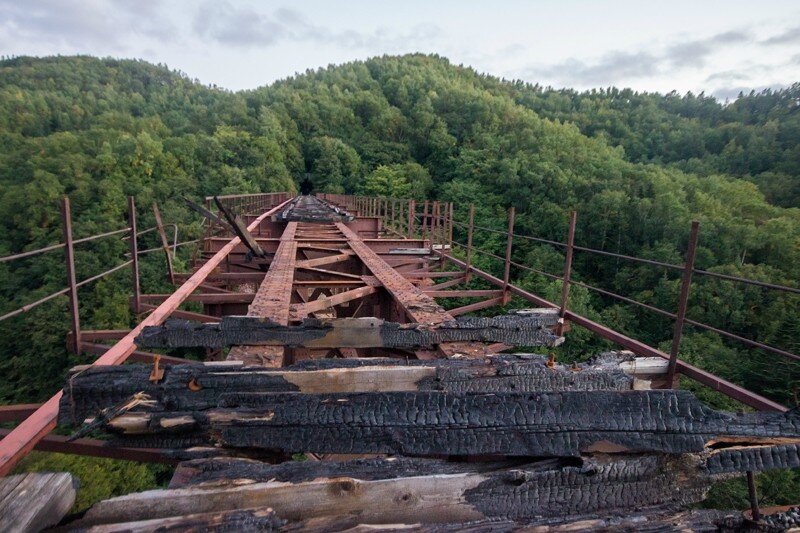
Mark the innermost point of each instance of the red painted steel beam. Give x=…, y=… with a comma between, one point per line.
x=137, y=356
x=329, y=260
x=300, y=311
x=477, y=293
x=419, y=307
x=15, y=413
x=273, y=298
x=491, y=302
x=206, y=298
x=24, y=437
x=98, y=448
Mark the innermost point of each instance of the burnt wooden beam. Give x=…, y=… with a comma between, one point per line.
x=442, y=423
x=388, y=495
x=515, y=330
x=199, y=386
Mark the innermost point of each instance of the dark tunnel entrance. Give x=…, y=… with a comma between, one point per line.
x=306, y=186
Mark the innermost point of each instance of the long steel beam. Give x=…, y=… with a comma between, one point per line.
x=416, y=304
x=273, y=299
x=24, y=437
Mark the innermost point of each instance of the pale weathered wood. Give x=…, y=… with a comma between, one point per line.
x=32, y=502
x=90, y=390
x=391, y=496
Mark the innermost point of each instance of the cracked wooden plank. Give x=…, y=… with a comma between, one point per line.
x=32, y=502
x=531, y=329
x=440, y=423
x=429, y=492
x=93, y=389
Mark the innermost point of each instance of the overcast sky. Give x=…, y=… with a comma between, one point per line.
x=720, y=47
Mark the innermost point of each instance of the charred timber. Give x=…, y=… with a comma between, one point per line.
x=514, y=330
x=198, y=387
x=553, y=424
x=433, y=493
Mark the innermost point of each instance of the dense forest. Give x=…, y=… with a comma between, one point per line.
x=638, y=167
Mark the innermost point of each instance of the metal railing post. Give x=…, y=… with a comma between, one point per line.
x=470, y=229
x=450, y=229
x=565, y=280
x=394, y=226
x=412, y=209
x=509, y=244
x=134, y=255
x=435, y=229
x=69, y=255
x=683, y=302
x=424, y=222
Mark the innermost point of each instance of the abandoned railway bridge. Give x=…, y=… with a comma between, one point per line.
x=323, y=334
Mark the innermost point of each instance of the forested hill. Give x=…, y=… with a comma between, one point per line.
x=637, y=167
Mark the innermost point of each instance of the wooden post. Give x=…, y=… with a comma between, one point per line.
x=69, y=255
x=412, y=209
x=165, y=242
x=134, y=255
x=509, y=244
x=751, y=490
x=683, y=302
x=470, y=229
x=565, y=280
x=394, y=227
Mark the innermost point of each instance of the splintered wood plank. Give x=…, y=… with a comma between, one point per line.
x=408, y=491
x=272, y=301
x=230, y=520
x=32, y=502
x=552, y=424
x=89, y=392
